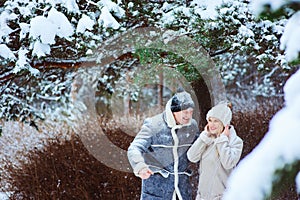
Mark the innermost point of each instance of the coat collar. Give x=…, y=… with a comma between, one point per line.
x=170, y=120
x=169, y=115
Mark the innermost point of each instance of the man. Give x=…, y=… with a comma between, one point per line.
x=158, y=152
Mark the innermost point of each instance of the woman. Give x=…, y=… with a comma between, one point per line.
x=218, y=149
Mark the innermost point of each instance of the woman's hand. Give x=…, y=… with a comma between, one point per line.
x=227, y=131
x=206, y=129
x=145, y=173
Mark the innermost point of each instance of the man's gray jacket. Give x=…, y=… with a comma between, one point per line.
x=161, y=145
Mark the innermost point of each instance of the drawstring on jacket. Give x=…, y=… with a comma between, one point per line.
x=176, y=161
x=172, y=124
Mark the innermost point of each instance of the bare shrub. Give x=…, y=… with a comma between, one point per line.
x=67, y=171
x=253, y=124
x=131, y=123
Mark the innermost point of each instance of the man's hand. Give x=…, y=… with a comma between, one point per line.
x=145, y=173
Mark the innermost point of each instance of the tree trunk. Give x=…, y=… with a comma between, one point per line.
x=160, y=89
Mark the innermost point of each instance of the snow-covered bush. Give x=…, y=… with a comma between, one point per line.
x=276, y=157
x=26, y=97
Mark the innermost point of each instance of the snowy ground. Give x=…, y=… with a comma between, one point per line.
x=4, y=195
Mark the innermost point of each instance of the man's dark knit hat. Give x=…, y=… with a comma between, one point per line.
x=181, y=101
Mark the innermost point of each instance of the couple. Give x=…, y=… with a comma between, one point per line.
x=161, y=151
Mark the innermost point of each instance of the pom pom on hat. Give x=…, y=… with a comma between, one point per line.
x=221, y=111
x=181, y=101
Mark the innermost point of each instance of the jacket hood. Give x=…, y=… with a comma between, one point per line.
x=170, y=120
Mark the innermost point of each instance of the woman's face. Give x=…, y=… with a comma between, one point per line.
x=183, y=117
x=215, y=126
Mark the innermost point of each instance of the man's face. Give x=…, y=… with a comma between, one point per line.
x=183, y=117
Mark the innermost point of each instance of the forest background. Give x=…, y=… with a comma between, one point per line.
x=51, y=55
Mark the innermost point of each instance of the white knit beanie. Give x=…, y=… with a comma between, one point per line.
x=222, y=112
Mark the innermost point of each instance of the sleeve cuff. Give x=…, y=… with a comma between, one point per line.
x=138, y=168
x=222, y=138
x=207, y=140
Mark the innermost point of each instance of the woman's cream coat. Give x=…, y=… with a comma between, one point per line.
x=217, y=159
